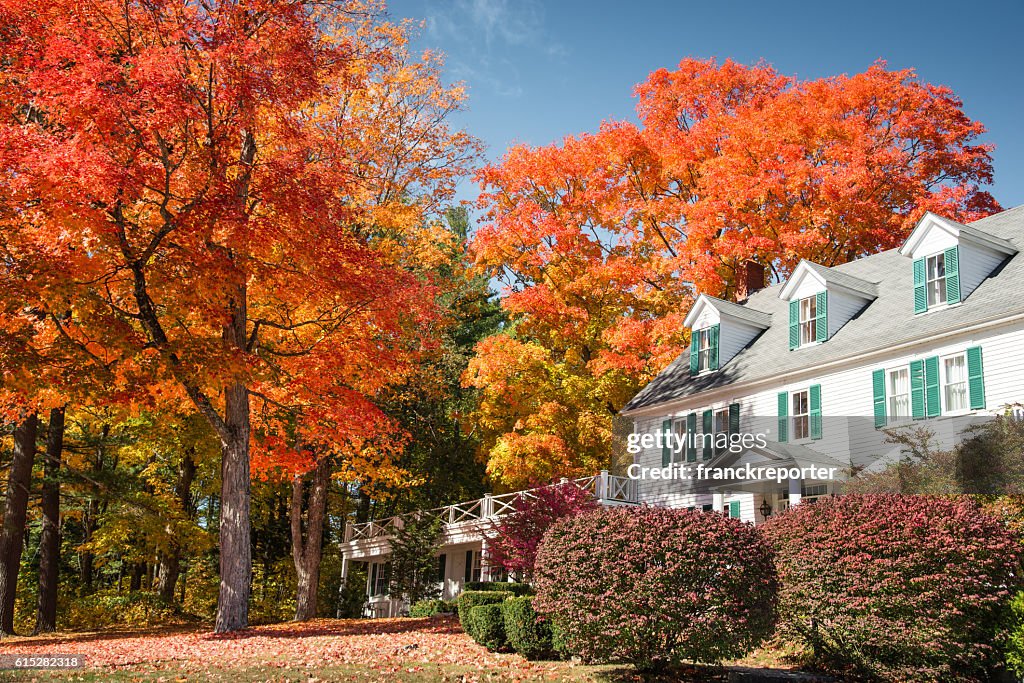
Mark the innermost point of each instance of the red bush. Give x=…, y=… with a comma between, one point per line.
x=517, y=536
x=897, y=587
x=654, y=586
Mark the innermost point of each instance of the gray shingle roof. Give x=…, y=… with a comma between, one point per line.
x=841, y=278
x=745, y=313
x=887, y=321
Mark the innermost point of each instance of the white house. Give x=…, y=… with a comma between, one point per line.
x=928, y=334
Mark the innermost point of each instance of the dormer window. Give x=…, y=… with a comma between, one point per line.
x=937, y=280
x=814, y=289
x=704, y=349
x=808, y=320
x=950, y=260
x=936, y=283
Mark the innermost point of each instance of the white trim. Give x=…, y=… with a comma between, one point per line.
x=745, y=389
x=930, y=221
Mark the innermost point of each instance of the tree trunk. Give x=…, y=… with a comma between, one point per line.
x=12, y=538
x=306, y=551
x=49, y=541
x=235, y=543
x=135, y=583
x=170, y=562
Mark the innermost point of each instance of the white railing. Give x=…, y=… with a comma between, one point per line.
x=606, y=488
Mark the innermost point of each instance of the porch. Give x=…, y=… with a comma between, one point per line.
x=464, y=542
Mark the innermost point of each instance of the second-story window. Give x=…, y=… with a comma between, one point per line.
x=808, y=320
x=801, y=415
x=936, y=281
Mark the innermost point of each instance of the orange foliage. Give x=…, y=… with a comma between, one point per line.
x=170, y=165
x=604, y=240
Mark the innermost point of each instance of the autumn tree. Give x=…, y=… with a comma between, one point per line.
x=226, y=199
x=603, y=241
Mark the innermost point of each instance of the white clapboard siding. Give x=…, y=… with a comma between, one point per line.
x=847, y=393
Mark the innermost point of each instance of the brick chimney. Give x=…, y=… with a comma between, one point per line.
x=750, y=277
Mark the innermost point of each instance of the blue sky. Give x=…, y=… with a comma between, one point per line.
x=538, y=71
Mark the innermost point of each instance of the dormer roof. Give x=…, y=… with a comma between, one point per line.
x=932, y=228
x=828, y=278
x=744, y=314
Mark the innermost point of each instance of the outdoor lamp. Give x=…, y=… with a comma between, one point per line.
x=766, y=509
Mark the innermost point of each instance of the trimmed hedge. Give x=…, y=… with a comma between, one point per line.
x=430, y=608
x=656, y=586
x=487, y=626
x=470, y=599
x=897, y=587
x=525, y=631
x=510, y=586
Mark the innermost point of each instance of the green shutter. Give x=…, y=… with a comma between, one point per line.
x=878, y=389
x=917, y=389
x=783, y=416
x=734, y=418
x=815, y=410
x=953, y=275
x=821, y=324
x=920, y=291
x=975, y=378
x=694, y=349
x=734, y=509
x=709, y=427
x=794, y=324
x=931, y=386
x=713, y=346
x=666, y=447
x=691, y=431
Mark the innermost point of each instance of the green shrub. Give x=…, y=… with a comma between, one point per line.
x=470, y=599
x=430, y=608
x=509, y=586
x=525, y=631
x=1014, y=635
x=487, y=626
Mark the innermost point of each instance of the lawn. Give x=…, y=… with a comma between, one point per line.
x=323, y=650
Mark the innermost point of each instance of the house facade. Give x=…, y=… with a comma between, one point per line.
x=818, y=368
x=927, y=335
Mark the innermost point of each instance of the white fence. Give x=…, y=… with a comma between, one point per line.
x=606, y=488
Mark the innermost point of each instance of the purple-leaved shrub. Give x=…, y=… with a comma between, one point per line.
x=656, y=586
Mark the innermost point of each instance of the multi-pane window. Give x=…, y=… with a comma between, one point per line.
x=703, y=341
x=808, y=320
x=899, y=393
x=936, y=279
x=380, y=577
x=721, y=423
x=801, y=415
x=473, y=565
x=679, y=429
x=954, y=382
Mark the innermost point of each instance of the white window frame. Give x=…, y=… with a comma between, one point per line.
x=804, y=417
x=809, y=320
x=891, y=415
x=939, y=281
x=380, y=585
x=703, y=349
x=944, y=383
x=679, y=429
x=720, y=425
